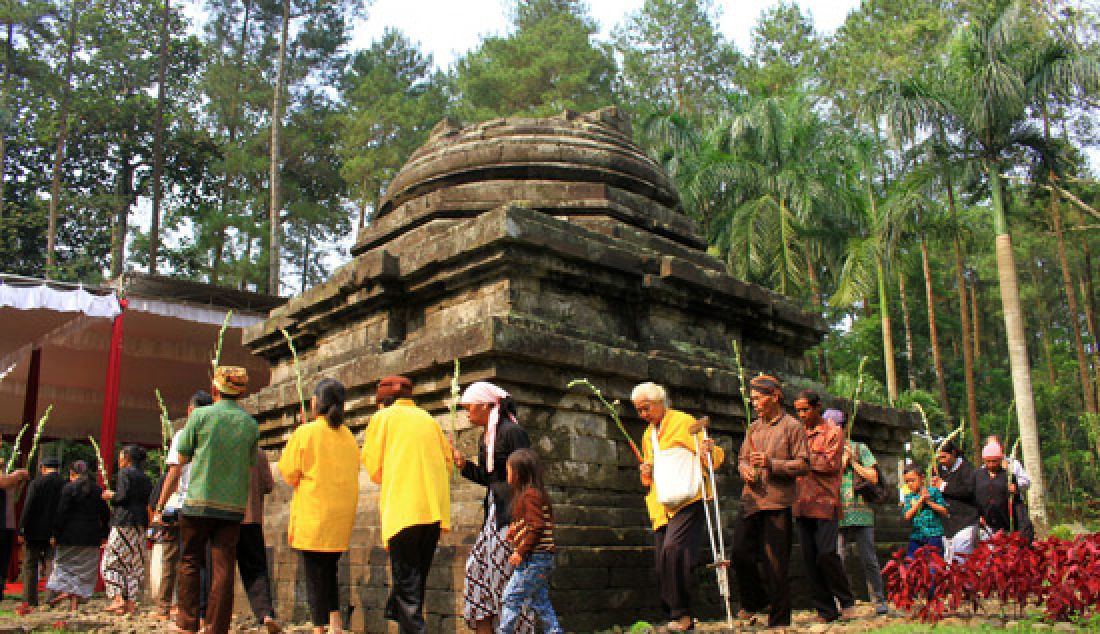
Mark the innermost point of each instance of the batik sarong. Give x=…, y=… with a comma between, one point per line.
x=123, y=563
x=487, y=573
x=75, y=570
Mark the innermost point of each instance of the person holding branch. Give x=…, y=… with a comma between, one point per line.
x=772, y=457
x=817, y=512
x=675, y=501
x=488, y=568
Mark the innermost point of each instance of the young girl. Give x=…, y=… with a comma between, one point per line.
x=924, y=506
x=531, y=534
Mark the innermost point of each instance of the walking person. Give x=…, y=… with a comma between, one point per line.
x=1021, y=481
x=321, y=463
x=220, y=442
x=166, y=549
x=817, y=512
x=36, y=525
x=857, y=523
x=123, y=564
x=531, y=533
x=10, y=484
x=80, y=527
x=487, y=567
x=955, y=479
x=405, y=451
x=252, y=547
x=677, y=525
x=771, y=459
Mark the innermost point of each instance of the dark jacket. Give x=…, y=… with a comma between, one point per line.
x=510, y=437
x=991, y=494
x=959, y=495
x=129, y=507
x=82, y=519
x=40, y=507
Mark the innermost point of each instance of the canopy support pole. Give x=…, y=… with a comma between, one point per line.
x=109, y=424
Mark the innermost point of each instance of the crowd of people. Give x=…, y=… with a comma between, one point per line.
x=801, y=476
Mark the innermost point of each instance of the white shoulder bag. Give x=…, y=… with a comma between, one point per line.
x=677, y=474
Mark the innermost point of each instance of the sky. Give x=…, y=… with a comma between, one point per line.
x=449, y=28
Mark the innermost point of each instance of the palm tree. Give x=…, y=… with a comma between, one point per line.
x=870, y=249
x=996, y=73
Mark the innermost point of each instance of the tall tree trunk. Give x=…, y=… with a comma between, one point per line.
x=1016, y=334
x=933, y=330
x=305, y=260
x=158, y=140
x=910, y=370
x=8, y=63
x=62, y=134
x=815, y=295
x=229, y=173
x=1071, y=483
x=1087, y=300
x=275, y=228
x=976, y=319
x=1088, y=396
x=887, y=336
x=964, y=320
x=122, y=217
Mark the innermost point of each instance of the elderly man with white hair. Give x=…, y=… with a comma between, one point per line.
x=674, y=440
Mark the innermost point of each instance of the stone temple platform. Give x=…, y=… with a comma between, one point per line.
x=537, y=251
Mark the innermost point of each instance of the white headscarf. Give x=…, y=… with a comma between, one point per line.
x=485, y=392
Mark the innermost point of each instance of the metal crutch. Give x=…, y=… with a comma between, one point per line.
x=721, y=563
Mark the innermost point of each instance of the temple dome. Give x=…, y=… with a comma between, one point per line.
x=584, y=168
x=570, y=147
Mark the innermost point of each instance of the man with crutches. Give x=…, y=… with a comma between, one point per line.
x=672, y=471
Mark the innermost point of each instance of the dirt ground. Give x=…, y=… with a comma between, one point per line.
x=91, y=618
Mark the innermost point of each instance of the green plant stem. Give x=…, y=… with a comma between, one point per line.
x=100, y=466
x=15, y=449
x=614, y=413
x=855, y=397
x=38, y=433
x=297, y=372
x=221, y=338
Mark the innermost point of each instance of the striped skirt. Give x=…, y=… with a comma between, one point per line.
x=487, y=572
x=75, y=570
x=123, y=565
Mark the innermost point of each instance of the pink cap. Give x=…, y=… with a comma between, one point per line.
x=993, y=450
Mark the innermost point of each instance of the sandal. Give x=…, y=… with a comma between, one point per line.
x=674, y=626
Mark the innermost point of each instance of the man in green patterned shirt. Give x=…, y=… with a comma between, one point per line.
x=858, y=521
x=220, y=443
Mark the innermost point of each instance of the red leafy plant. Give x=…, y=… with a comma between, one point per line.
x=1005, y=572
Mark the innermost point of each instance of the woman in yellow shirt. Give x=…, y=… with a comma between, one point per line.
x=321, y=463
x=677, y=530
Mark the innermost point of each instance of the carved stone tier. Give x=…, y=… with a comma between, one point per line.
x=537, y=251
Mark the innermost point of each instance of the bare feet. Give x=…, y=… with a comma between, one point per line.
x=272, y=625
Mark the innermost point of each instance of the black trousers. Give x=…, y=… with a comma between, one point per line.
x=762, y=544
x=676, y=551
x=824, y=567
x=411, y=553
x=252, y=563
x=36, y=553
x=322, y=584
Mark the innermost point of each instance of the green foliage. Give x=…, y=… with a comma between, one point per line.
x=674, y=57
x=392, y=100
x=548, y=65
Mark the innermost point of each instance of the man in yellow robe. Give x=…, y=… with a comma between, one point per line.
x=677, y=531
x=405, y=451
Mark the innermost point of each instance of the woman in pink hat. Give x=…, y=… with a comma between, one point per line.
x=993, y=491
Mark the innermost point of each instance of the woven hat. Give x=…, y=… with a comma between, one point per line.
x=231, y=380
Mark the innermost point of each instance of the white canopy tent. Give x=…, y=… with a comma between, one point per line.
x=97, y=354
